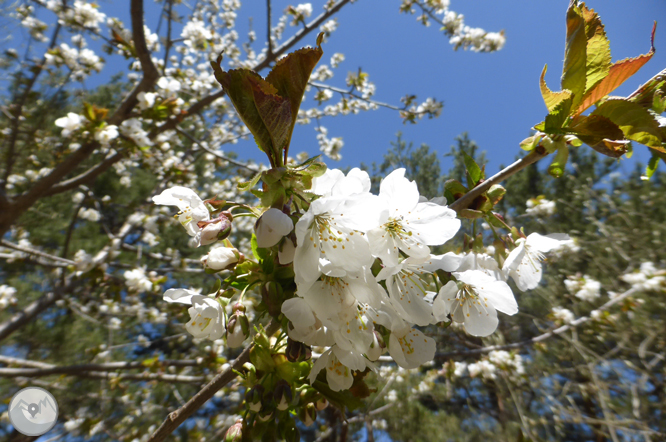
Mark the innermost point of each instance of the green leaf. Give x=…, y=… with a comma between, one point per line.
x=618, y=73
x=340, y=399
x=558, y=117
x=594, y=129
x=474, y=173
x=557, y=166
x=575, y=53
x=598, y=52
x=249, y=184
x=552, y=99
x=455, y=188
x=530, y=143
x=636, y=122
x=652, y=166
x=470, y=214
x=258, y=252
x=496, y=193
x=650, y=94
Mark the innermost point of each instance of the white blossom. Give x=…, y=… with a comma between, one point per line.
x=271, y=227
x=524, y=262
x=207, y=320
x=475, y=303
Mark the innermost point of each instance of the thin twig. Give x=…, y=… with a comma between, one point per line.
x=466, y=200
x=558, y=331
x=177, y=417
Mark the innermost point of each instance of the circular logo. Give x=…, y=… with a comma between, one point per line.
x=33, y=411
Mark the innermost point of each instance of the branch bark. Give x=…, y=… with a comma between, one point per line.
x=177, y=417
x=531, y=158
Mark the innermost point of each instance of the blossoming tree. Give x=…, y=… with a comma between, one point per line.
x=323, y=281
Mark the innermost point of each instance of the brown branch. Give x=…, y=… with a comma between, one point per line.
x=530, y=158
x=18, y=111
x=26, y=315
x=177, y=417
x=45, y=301
x=549, y=334
x=86, y=177
x=150, y=74
x=35, y=252
x=269, y=40
x=36, y=372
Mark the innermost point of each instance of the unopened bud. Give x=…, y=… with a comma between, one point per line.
x=321, y=403
x=308, y=414
x=297, y=351
x=238, y=329
x=282, y=395
x=254, y=398
x=235, y=432
x=221, y=258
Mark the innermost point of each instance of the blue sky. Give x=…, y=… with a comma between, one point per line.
x=495, y=97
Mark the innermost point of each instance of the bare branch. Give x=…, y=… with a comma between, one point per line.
x=519, y=165
x=86, y=177
x=150, y=74
x=22, y=249
x=177, y=417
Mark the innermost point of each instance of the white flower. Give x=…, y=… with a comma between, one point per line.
x=338, y=373
x=408, y=225
x=408, y=292
x=332, y=229
x=90, y=215
x=563, y=315
x=271, y=227
x=69, y=124
x=192, y=208
x=146, y=100
x=524, y=262
x=137, y=281
x=170, y=86
x=105, y=135
x=206, y=314
x=475, y=302
x=482, y=262
x=7, y=296
x=410, y=348
x=221, y=258
x=484, y=368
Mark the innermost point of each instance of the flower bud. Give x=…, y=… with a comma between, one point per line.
x=221, y=258
x=297, y=351
x=235, y=432
x=272, y=295
x=254, y=398
x=321, y=403
x=308, y=414
x=238, y=329
x=271, y=227
x=282, y=395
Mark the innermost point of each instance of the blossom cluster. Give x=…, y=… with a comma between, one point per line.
x=340, y=304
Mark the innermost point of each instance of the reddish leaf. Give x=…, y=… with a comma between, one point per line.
x=598, y=60
x=619, y=72
x=290, y=76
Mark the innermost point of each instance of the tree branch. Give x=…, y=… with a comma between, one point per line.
x=464, y=201
x=558, y=331
x=177, y=417
x=150, y=74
